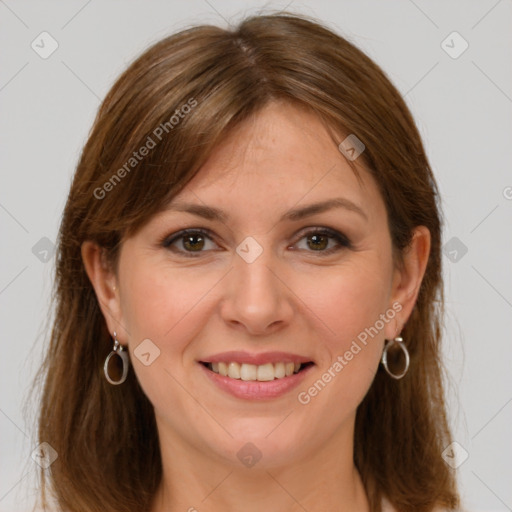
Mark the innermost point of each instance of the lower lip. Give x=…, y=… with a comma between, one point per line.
x=256, y=390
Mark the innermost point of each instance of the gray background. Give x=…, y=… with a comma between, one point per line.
x=462, y=106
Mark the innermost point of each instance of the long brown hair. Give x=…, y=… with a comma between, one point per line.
x=105, y=436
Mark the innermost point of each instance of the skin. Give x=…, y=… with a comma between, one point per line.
x=292, y=298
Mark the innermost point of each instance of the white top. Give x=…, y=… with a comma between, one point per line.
x=387, y=507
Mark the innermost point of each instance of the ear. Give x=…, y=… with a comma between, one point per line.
x=407, y=279
x=104, y=282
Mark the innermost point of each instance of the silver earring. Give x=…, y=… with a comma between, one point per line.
x=118, y=350
x=384, y=358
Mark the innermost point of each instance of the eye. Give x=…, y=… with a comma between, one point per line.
x=192, y=242
x=189, y=241
x=324, y=240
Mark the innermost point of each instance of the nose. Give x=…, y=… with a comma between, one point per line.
x=257, y=299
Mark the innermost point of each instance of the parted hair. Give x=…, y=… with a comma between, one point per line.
x=105, y=436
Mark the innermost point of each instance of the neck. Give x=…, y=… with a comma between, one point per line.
x=193, y=482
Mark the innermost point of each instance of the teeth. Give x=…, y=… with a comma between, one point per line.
x=265, y=372
x=223, y=369
x=248, y=371
x=252, y=372
x=279, y=370
x=234, y=370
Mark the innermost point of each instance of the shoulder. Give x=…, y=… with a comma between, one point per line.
x=387, y=507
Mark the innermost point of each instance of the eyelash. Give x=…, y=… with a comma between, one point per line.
x=340, y=238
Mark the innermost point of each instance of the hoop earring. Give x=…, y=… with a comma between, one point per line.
x=384, y=358
x=118, y=350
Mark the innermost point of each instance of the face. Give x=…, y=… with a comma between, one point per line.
x=262, y=287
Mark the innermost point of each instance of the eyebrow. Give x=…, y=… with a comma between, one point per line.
x=212, y=213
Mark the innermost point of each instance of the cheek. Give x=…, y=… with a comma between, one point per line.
x=168, y=307
x=351, y=305
x=158, y=300
x=351, y=298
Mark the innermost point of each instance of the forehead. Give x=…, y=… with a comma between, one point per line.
x=280, y=157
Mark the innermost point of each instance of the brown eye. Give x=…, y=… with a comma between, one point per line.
x=190, y=242
x=323, y=241
x=193, y=242
x=318, y=242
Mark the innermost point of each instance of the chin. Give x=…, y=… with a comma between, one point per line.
x=262, y=448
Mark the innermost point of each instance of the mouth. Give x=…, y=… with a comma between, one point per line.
x=256, y=376
x=256, y=373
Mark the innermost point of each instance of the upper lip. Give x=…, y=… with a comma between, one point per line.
x=241, y=357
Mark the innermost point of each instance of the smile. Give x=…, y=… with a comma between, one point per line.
x=247, y=381
x=251, y=372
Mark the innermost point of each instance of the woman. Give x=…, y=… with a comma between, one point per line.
x=249, y=294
